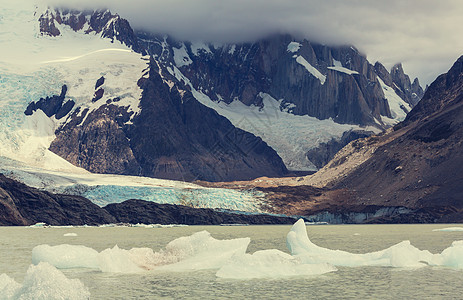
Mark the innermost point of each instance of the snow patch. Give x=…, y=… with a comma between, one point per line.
x=312, y=70
x=199, y=47
x=293, y=47
x=232, y=49
x=181, y=56
x=289, y=135
x=338, y=67
x=399, y=108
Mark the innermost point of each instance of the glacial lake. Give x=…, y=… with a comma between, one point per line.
x=359, y=282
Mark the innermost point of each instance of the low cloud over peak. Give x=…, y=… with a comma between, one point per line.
x=422, y=34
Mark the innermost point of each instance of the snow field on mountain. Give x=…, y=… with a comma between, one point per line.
x=201, y=251
x=289, y=135
x=311, y=69
x=33, y=66
x=396, y=105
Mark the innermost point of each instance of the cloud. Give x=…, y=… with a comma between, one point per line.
x=423, y=34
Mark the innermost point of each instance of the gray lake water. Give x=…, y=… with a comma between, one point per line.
x=347, y=283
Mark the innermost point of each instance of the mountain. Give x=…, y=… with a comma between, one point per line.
x=126, y=115
x=300, y=93
x=343, y=92
x=411, y=173
x=308, y=78
x=173, y=137
x=185, y=110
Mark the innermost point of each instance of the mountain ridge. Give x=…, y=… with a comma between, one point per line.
x=221, y=75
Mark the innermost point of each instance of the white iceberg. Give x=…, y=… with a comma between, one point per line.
x=201, y=251
x=270, y=264
x=196, y=252
x=401, y=255
x=42, y=282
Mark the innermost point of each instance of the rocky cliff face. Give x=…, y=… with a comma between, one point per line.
x=100, y=22
x=410, y=92
x=309, y=78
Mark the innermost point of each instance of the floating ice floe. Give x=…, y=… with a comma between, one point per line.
x=42, y=282
x=201, y=251
x=450, y=229
x=70, y=234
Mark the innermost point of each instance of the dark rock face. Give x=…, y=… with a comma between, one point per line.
x=99, y=82
x=243, y=71
x=383, y=74
x=411, y=93
x=102, y=22
x=321, y=155
x=173, y=137
x=52, y=106
x=139, y=211
x=23, y=205
x=97, y=142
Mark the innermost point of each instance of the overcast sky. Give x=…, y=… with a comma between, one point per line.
x=422, y=34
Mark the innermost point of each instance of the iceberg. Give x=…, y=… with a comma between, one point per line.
x=201, y=251
x=401, y=255
x=270, y=264
x=196, y=252
x=42, y=282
